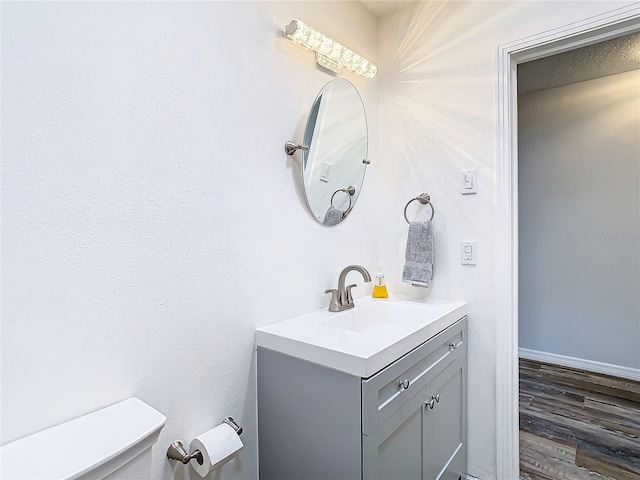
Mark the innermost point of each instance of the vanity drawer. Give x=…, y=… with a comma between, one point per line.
x=383, y=393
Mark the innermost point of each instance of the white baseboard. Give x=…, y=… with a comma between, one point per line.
x=589, y=365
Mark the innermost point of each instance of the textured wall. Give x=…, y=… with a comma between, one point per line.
x=150, y=218
x=438, y=117
x=618, y=55
x=579, y=202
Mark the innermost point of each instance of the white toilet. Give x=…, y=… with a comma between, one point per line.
x=112, y=443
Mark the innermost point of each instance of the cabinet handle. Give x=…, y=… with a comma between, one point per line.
x=431, y=403
x=436, y=398
x=453, y=345
x=404, y=384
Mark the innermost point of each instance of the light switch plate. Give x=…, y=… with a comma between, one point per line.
x=469, y=182
x=326, y=170
x=469, y=253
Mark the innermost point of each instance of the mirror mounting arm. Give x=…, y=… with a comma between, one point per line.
x=290, y=148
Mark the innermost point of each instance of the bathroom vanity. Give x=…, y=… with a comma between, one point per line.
x=378, y=392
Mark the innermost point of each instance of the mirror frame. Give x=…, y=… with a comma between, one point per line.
x=354, y=188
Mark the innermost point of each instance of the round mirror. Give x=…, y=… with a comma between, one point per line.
x=334, y=165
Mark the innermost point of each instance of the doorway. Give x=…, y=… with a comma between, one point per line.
x=579, y=262
x=603, y=27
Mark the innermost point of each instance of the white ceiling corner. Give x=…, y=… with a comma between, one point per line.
x=382, y=7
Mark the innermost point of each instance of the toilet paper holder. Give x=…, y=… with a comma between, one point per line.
x=176, y=450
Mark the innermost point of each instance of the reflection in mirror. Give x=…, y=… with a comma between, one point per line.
x=333, y=167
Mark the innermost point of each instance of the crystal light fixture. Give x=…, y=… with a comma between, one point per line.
x=329, y=53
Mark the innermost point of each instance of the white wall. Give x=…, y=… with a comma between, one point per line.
x=438, y=117
x=151, y=220
x=579, y=202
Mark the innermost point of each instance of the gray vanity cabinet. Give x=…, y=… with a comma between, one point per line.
x=445, y=429
x=395, y=449
x=406, y=422
x=418, y=432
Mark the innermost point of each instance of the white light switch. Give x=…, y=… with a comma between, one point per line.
x=469, y=253
x=469, y=182
x=324, y=173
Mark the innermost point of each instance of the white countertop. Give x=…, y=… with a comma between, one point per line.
x=365, y=339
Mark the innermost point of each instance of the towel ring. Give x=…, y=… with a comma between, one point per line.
x=350, y=191
x=424, y=199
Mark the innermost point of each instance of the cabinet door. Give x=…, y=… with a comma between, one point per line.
x=445, y=426
x=382, y=394
x=394, y=449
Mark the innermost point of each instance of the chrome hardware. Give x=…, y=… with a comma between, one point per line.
x=341, y=298
x=290, y=148
x=366, y=162
x=404, y=384
x=229, y=421
x=350, y=191
x=453, y=345
x=431, y=403
x=176, y=451
x=334, y=306
x=436, y=398
x=424, y=199
x=348, y=290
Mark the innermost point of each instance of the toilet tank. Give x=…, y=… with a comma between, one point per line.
x=112, y=443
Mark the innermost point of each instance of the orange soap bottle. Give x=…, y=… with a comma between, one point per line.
x=379, y=288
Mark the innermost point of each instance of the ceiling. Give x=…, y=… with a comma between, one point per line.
x=382, y=7
x=614, y=56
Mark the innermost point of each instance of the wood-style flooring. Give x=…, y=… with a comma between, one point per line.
x=577, y=425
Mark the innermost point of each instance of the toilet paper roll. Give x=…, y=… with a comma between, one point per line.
x=217, y=446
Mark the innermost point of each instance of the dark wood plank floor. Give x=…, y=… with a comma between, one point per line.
x=577, y=425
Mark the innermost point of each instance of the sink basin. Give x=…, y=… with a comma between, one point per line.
x=363, y=340
x=375, y=315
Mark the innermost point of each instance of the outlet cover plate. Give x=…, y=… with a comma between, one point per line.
x=469, y=253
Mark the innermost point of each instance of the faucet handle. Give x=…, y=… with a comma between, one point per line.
x=333, y=304
x=349, y=296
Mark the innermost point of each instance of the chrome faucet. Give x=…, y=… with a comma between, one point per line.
x=341, y=298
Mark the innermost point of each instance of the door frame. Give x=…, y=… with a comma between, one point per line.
x=592, y=30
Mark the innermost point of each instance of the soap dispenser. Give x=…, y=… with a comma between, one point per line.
x=380, y=289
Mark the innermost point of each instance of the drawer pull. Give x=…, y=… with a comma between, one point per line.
x=404, y=384
x=453, y=345
x=436, y=398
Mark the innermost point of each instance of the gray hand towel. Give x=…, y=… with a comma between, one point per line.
x=418, y=266
x=333, y=216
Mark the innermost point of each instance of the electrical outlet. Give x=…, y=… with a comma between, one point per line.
x=468, y=253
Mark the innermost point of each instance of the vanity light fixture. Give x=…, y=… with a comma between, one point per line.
x=329, y=53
